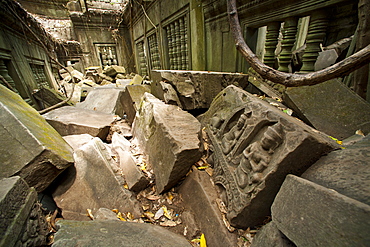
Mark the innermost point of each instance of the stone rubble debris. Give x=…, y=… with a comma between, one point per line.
x=171, y=171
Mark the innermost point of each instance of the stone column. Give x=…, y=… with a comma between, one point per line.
x=272, y=35
x=315, y=37
x=289, y=36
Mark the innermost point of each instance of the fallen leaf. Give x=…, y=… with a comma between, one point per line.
x=120, y=216
x=89, y=213
x=168, y=223
x=203, y=242
x=159, y=214
x=166, y=213
x=359, y=132
x=152, y=197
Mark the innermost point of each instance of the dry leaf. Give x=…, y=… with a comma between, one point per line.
x=89, y=213
x=203, y=242
x=152, y=197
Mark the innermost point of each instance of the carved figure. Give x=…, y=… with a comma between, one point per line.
x=257, y=156
x=230, y=138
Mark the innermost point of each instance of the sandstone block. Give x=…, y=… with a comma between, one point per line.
x=106, y=100
x=115, y=233
x=270, y=235
x=196, y=89
x=255, y=145
x=200, y=197
x=312, y=215
x=92, y=184
x=330, y=107
x=76, y=141
x=131, y=100
x=22, y=222
x=135, y=178
x=29, y=147
x=170, y=138
x=346, y=171
x=69, y=120
x=113, y=70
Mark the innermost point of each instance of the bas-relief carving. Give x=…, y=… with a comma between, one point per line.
x=249, y=144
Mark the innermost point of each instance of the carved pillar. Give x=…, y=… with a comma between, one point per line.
x=271, y=42
x=315, y=37
x=182, y=44
x=289, y=35
x=4, y=73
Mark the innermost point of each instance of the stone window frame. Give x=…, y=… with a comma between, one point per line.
x=141, y=57
x=114, y=59
x=39, y=73
x=153, y=50
x=184, y=13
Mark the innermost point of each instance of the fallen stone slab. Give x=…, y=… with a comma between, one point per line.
x=195, y=89
x=330, y=107
x=49, y=97
x=22, y=221
x=134, y=177
x=199, y=196
x=113, y=70
x=255, y=145
x=312, y=215
x=270, y=235
x=119, y=142
x=115, y=233
x=106, y=100
x=346, y=171
x=131, y=100
x=76, y=141
x=29, y=147
x=169, y=137
x=92, y=184
x=69, y=120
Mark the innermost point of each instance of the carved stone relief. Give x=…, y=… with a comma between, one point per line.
x=254, y=147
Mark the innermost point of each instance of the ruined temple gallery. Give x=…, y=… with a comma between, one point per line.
x=184, y=123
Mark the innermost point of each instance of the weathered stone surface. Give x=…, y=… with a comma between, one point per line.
x=76, y=141
x=92, y=184
x=196, y=89
x=29, y=146
x=115, y=233
x=106, y=100
x=312, y=215
x=49, y=97
x=120, y=142
x=170, y=138
x=255, y=146
x=131, y=100
x=346, y=171
x=113, y=70
x=269, y=235
x=135, y=178
x=200, y=197
x=22, y=222
x=69, y=120
x=105, y=214
x=330, y=107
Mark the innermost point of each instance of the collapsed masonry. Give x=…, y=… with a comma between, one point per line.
x=241, y=162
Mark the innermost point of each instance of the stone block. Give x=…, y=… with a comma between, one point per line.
x=312, y=215
x=135, y=178
x=92, y=184
x=119, y=142
x=170, y=138
x=113, y=70
x=255, y=145
x=346, y=171
x=115, y=233
x=270, y=235
x=106, y=100
x=48, y=97
x=199, y=196
x=69, y=120
x=330, y=107
x=22, y=222
x=196, y=89
x=131, y=100
x=29, y=147
x=76, y=141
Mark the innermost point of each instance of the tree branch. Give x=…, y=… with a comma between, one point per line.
x=339, y=69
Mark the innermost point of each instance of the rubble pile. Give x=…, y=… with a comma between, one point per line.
x=125, y=167
x=95, y=76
